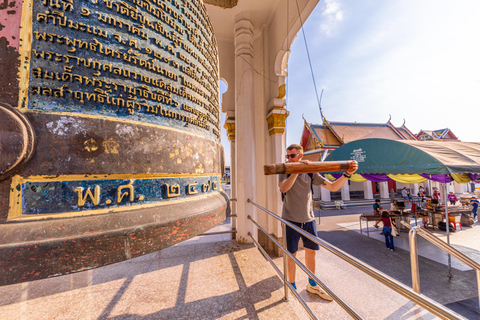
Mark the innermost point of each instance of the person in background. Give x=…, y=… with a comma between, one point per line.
x=452, y=198
x=394, y=206
x=421, y=189
x=436, y=194
x=387, y=230
x=421, y=194
x=376, y=210
x=405, y=194
x=474, y=203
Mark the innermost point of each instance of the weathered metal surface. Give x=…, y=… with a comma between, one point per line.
x=53, y=247
x=111, y=148
x=17, y=141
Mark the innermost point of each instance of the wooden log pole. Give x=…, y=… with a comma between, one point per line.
x=299, y=167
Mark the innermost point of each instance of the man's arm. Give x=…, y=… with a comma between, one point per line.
x=285, y=185
x=337, y=184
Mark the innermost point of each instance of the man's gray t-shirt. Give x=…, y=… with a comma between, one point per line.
x=297, y=205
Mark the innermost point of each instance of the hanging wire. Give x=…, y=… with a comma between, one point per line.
x=309, y=60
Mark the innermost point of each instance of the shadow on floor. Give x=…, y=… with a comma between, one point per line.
x=186, y=262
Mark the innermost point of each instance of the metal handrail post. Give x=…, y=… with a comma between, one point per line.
x=285, y=261
x=478, y=285
x=427, y=235
x=412, y=238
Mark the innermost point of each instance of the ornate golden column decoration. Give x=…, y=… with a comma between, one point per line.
x=230, y=127
x=276, y=120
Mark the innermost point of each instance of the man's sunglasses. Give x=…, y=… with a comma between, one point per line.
x=293, y=155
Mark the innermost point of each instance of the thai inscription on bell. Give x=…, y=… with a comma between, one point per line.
x=150, y=61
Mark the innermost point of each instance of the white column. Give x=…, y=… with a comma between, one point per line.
x=325, y=194
x=367, y=189
x=415, y=189
x=245, y=150
x=276, y=118
x=345, y=190
x=383, y=190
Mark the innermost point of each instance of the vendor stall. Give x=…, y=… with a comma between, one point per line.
x=411, y=161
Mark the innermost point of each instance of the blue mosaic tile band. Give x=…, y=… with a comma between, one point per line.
x=75, y=196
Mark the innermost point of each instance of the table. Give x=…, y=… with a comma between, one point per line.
x=372, y=217
x=368, y=217
x=435, y=216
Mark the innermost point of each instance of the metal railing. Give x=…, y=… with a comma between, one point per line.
x=430, y=237
x=423, y=301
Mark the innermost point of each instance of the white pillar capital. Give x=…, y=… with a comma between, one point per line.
x=243, y=35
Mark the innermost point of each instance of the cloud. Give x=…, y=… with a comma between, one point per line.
x=332, y=15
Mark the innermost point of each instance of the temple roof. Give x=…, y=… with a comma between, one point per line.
x=333, y=134
x=407, y=133
x=437, y=135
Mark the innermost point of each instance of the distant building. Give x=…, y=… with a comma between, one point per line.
x=437, y=135
x=330, y=135
x=319, y=140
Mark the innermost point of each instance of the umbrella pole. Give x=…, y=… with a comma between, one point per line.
x=450, y=276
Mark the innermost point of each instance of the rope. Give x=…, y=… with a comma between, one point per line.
x=309, y=60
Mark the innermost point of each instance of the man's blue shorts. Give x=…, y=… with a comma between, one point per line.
x=293, y=236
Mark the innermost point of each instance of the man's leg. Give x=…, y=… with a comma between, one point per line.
x=291, y=268
x=310, y=256
x=292, y=238
x=310, y=262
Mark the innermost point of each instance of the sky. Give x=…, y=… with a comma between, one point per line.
x=418, y=61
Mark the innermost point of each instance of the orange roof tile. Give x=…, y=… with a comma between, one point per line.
x=325, y=135
x=405, y=133
x=355, y=131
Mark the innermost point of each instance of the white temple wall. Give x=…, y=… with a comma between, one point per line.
x=356, y=186
x=252, y=63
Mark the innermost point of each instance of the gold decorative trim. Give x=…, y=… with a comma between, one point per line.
x=230, y=127
x=282, y=91
x=25, y=53
x=276, y=120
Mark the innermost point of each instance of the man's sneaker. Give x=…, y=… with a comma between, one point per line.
x=317, y=290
